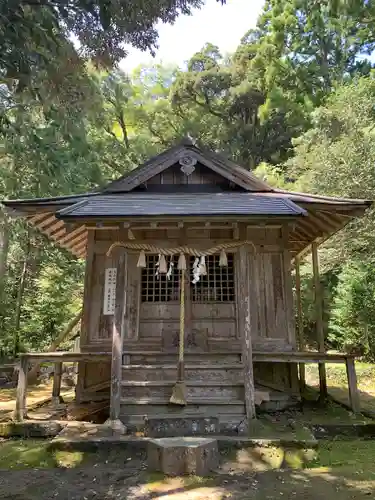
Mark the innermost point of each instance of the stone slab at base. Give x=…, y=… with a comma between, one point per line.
x=183, y=455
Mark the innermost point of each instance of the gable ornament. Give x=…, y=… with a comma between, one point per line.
x=187, y=163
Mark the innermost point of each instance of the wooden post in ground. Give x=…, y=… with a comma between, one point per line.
x=300, y=337
x=117, y=342
x=56, y=388
x=21, y=409
x=352, y=385
x=319, y=320
x=244, y=323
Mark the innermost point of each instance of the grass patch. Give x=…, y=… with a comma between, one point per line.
x=352, y=459
x=42, y=454
x=35, y=453
x=338, y=385
x=336, y=374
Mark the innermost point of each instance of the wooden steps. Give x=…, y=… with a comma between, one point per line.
x=164, y=401
x=207, y=373
x=195, y=389
x=237, y=366
x=165, y=383
x=170, y=357
x=214, y=382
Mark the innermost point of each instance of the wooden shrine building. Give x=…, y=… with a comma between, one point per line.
x=191, y=226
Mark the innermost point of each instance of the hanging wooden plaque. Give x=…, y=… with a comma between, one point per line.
x=110, y=291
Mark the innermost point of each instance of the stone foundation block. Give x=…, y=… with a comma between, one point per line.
x=183, y=455
x=173, y=427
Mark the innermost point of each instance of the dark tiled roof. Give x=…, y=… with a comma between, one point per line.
x=126, y=205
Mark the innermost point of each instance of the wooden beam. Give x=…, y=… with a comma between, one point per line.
x=118, y=338
x=58, y=225
x=46, y=222
x=312, y=228
x=302, y=230
x=80, y=245
x=299, y=357
x=319, y=319
x=352, y=386
x=75, y=241
x=101, y=228
x=320, y=225
x=244, y=323
x=299, y=324
x=337, y=217
x=21, y=410
x=56, y=398
x=332, y=221
x=35, y=218
x=48, y=228
x=71, y=234
x=55, y=235
x=67, y=356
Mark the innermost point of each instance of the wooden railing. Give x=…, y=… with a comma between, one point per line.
x=320, y=358
x=49, y=357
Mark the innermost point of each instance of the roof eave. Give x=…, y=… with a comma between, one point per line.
x=99, y=217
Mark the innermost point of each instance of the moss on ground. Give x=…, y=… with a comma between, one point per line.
x=20, y=454
x=358, y=454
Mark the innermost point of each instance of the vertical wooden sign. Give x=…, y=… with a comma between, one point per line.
x=110, y=291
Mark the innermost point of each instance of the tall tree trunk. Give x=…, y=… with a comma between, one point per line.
x=20, y=296
x=4, y=250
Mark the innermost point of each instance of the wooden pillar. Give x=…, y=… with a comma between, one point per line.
x=244, y=323
x=21, y=409
x=118, y=321
x=352, y=385
x=319, y=320
x=300, y=337
x=56, y=398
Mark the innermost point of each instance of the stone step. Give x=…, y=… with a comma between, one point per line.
x=207, y=373
x=194, y=390
x=233, y=418
x=167, y=426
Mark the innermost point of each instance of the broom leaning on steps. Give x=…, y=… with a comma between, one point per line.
x=178, y=396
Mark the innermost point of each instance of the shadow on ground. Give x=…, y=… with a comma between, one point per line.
x=34, y=473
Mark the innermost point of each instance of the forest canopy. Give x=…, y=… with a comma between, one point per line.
x=294, y=103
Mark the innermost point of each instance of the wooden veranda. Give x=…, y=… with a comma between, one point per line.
x=58, y=358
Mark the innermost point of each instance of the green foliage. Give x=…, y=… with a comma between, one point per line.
x=352, y=325
x=337, y=157
x=225, y=92
x=37, y=35
x=46, y=310
x=302, y=49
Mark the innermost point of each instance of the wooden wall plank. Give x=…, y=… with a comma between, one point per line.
x=299, y=323
x=133, y=294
